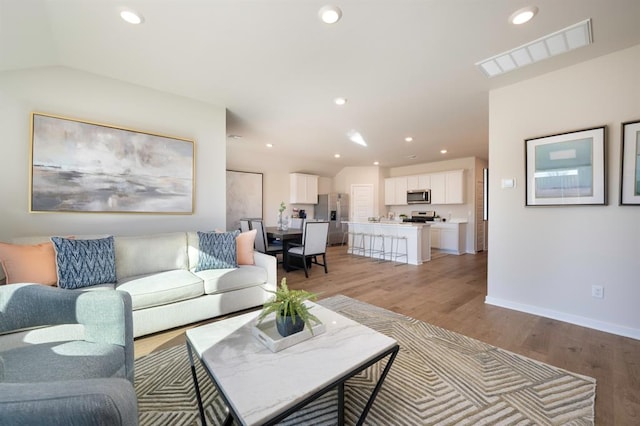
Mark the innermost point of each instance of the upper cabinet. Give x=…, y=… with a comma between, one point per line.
x=418, y=182
x=446, y=187
x=395, y=191
x=438, y=188
x=303, y=189
x=454, y=185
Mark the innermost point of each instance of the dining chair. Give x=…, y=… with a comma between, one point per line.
x=245, y=225
x=296, y=223
x=261, y=242
x=314, y=244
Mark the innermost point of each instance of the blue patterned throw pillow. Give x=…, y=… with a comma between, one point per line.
x=217, y=250
x=83, y=263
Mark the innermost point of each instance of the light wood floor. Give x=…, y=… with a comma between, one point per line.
x=449, y=292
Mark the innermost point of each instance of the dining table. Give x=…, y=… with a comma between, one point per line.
x=287, y=236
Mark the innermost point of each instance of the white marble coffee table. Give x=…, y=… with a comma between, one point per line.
x=262, y=388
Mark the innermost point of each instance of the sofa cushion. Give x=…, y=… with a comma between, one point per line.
x=29, y=263
x=162, y=288
x=222, y=280
x=142, y=255
x=217, y=250
x=82, y=263
x=62, y=361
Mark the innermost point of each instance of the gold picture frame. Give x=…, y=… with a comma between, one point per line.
x=82, y=166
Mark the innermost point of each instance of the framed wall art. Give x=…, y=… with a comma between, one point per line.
x=630, y=164
x=79, y=166
x=244, y=197
x=566, y=169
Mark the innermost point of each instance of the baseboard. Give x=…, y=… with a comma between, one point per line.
x=562, y=316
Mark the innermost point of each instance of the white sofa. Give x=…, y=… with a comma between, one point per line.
x=159, y=272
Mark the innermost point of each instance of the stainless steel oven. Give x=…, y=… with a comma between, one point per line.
x=419, y=196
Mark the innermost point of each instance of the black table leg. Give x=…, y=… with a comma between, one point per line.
x=341, y=404
x=285, y=254
x=203, y=420
x=378, y=386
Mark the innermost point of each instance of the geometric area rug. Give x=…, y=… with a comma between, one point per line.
x=438, y=378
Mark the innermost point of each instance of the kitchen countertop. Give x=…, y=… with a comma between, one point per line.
x=391, y=223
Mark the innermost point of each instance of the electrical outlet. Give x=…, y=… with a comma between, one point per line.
x=597, y=291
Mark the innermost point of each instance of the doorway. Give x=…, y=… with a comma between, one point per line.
x=362, y=202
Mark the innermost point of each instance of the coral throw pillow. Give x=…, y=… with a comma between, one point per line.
x=29, y=263
x=244, y=249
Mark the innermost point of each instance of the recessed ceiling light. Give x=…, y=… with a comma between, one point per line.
x=234, y=136
x=131, y=17
x=523, y=15
x=336, y=155
x=330, y=14
x=356, y=137
x=408, y=139
x=443, y=151
x=376, y=163
x=269, y=145
x=340, y=101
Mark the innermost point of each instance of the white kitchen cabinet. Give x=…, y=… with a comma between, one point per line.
x=413, y=182
x=435, y=237
x=424, y=181
x=438, y=188
x=303, y=189
x=454, y=187
x=450, y=237
x=395, y=191
x=447, y=187
x=418, y=182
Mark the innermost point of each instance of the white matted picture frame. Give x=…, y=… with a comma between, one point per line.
x=81, y=166
x=566, y=169
x=630, y=164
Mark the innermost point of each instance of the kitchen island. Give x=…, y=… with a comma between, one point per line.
x=418, y=239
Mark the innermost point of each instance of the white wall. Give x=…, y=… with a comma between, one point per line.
x=80, y=95
x=544, y=260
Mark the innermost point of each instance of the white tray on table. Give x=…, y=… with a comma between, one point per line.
x=267, y=333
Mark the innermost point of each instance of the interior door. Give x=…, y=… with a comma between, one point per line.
x=362, y=202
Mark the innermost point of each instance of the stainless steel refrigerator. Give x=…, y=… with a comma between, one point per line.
x=335, y=209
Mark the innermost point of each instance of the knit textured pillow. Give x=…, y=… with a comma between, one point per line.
x=217, y=250
x=83, y=263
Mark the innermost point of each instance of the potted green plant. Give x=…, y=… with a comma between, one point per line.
x=291, y=312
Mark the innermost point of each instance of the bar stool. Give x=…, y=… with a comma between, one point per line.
x=395, y=254
x=377, y=234
x=357, y=246
x=345, y=233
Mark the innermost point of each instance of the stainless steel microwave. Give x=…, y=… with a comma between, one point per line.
x=419, y=196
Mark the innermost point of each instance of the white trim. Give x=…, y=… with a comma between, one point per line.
x=633, y=333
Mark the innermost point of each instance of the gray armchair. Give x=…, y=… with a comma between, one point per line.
x=66, y=357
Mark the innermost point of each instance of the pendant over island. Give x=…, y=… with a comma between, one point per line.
x=392, y=241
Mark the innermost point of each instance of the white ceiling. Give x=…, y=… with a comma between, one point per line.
x=406, y=66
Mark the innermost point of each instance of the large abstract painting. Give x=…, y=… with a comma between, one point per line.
x=566, y=169
x=244, y=197
x=78, y=166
